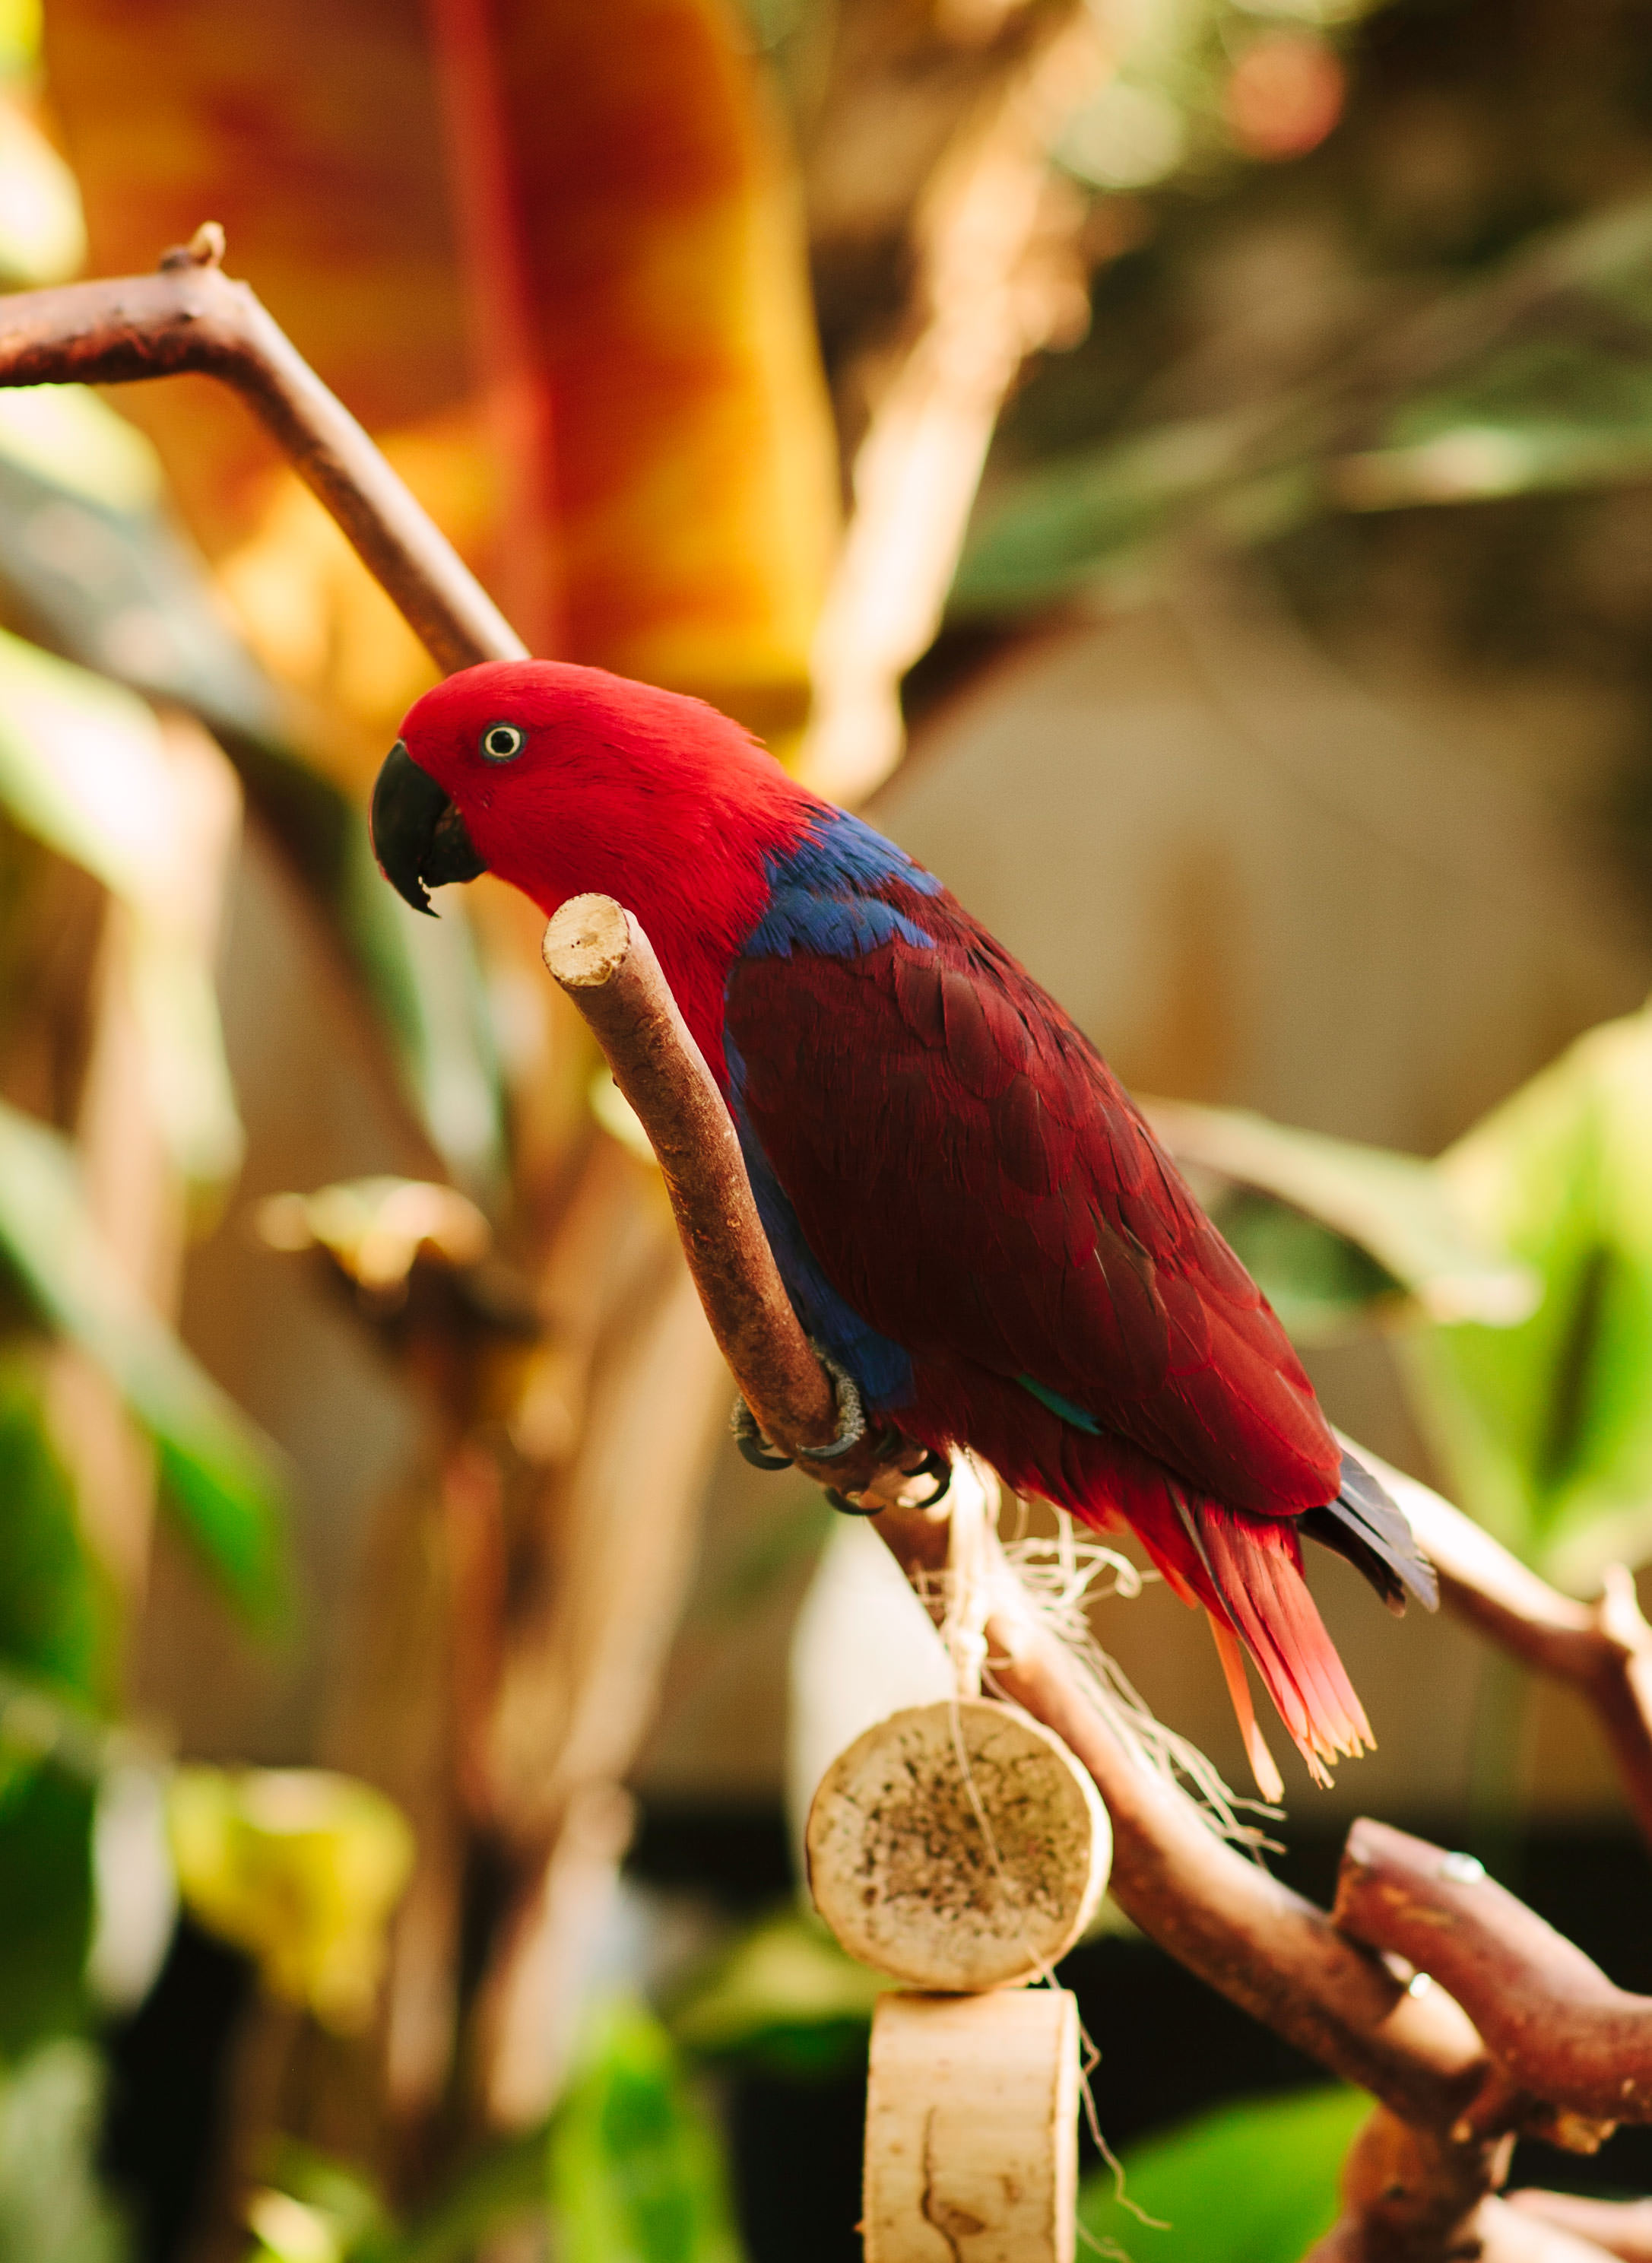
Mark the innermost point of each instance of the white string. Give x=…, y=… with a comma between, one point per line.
x=1060, y=1578
x=1057, y=1578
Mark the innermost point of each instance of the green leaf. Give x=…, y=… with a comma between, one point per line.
x=1255, y=2183
x=1546, y=1429
x=220, y=1476
x=70, y=438
x=785, y=1995
x=87, y=550
x=83, y=768
x=1340, y=1235
x=1533, y=377
x=301, y=1867
x=315, y=2209
x=51, y=2209
x=427, y=985
x=86, y=544
x=46, y=1906
x=501, y=2186
x=636, y=2173
x=1057, y=526
x=53, y=1609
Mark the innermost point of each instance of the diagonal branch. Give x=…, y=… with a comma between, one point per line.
x=190, y=316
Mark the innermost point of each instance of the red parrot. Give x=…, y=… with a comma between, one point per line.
x=969, y=1212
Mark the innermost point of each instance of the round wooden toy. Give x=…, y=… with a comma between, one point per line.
x=957, y=1847
x=972, y=2128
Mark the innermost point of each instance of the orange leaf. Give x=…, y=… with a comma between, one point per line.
x=600, y=213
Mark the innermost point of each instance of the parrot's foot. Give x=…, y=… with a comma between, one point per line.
x=762, y=1455
x=756, y=1449
x=933, y=1465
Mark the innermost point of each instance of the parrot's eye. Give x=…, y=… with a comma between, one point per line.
x=501, y=741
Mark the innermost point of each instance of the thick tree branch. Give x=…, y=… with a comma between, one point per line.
x=1553, y=2021
x=190, y=316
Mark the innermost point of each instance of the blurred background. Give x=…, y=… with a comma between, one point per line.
x=1186, y=467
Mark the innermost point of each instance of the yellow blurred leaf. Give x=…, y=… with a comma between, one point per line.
x=301, y=1868
x=42, y=232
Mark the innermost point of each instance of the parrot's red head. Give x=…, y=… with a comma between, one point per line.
x=567, y=781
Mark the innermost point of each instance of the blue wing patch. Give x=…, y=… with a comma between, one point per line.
x=823, y=894
x=882, y=1368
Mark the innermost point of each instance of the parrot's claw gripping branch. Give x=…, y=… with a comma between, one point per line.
x=757, y=1449
x=891, y=1446
x=1348, y=1988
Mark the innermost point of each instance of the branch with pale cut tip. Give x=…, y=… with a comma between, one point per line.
x=604, y=962
x=1557, y=2028
x=191, y=317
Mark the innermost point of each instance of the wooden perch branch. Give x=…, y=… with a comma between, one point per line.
x=1555, y=2025
x=606, y=965
x=190, y=316
x=1325, y=1985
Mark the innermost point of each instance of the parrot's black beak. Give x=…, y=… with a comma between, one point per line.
x=419, y=836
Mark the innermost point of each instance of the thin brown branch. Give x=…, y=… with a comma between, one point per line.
x=190, y=316
x=1603, y=1649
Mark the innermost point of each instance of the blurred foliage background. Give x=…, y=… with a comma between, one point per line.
x=1188, y=465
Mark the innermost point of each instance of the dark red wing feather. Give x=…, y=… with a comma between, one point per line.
x=980, y=1188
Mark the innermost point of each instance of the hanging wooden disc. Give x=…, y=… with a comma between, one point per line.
x=972, y=2128
x=957, y=1845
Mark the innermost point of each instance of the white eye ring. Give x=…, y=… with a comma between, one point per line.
x=501, y=741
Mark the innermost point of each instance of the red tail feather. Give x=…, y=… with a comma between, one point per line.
x=1245, y=1568
x=1257, y=1568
